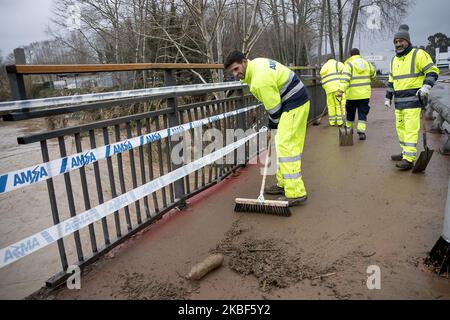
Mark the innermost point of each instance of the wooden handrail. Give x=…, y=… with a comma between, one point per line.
x=86, y=68
x=304, y=68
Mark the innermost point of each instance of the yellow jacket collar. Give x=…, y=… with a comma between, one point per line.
x=357, y=56
x=248, y=72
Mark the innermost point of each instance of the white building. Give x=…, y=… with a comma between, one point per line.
x=443, y=59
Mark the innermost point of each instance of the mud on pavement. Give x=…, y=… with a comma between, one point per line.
x=138, y=286
x=266, y=259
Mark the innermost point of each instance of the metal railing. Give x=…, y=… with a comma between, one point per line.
x=97, y=182
x=118, y=174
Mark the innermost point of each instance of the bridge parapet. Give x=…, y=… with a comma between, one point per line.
x=108, y=180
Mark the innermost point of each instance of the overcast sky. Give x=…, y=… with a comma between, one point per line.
x=424, y=19
x=25, y=21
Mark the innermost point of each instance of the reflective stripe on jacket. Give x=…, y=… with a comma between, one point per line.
x=276, y=86
x=356, y=78
x=407, y=75
x=330, y=75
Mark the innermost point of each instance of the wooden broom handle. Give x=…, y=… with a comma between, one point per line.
x=266, y=165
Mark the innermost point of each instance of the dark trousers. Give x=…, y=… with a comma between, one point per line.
x=363, y=108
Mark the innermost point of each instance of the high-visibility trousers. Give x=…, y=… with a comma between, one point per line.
x=334, y=111
x=362, y=106
x=407, y=123
x=289, y=141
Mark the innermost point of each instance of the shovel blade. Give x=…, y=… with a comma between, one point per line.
x=345, y=137
x=422, y=162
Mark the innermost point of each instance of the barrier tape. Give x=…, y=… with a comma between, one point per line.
x=50, y=235
x=17, y=179
x=26, y=105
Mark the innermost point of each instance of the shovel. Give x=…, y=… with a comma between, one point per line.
x=425, y=156
x=345, y=134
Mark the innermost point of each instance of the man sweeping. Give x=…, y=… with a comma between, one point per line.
x=331, y=77
x=287, y=102
x=356, y=83
x=411, y=77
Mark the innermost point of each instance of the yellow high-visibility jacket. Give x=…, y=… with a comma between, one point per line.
x=330, y=74
x=356, y=78
x=276, y=86
x=409, y=72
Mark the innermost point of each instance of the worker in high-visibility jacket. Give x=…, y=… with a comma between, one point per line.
x=330, y=75
x=355, y=82
x=412, y=75
x=287, y=102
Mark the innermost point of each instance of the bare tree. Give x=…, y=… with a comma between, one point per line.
x=209, y=28
x=340, y=36
x=5, y=93
x=292, y=31
x=330, y=28
x=253, y=30
x=351, y=28
x=277, y=28
x=321, y=29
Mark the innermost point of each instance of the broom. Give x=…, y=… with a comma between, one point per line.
x=260, y=205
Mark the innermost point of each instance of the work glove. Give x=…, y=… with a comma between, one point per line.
x=423, y=93
x=387, y=103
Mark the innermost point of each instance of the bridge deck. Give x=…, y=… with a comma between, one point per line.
x=361, y=211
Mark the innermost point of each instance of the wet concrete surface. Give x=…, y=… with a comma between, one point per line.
x=361, y=212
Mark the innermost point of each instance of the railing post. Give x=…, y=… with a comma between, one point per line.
x=314, y=74
x=240, y=122
x=241, y=117
x=16, y=82
x=169, y=80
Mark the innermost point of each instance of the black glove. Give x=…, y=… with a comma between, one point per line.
x=272, y=125
x=423, y=100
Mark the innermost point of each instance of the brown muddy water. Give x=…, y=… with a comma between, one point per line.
x=24, y=212
x=27, y=211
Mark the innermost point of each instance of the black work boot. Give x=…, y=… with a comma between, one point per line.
x=294, y=201
x=397, y=157
x=405, y=165
x=274, y=189
x=362, y=136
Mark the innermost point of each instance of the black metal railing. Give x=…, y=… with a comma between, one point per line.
x=100, y=181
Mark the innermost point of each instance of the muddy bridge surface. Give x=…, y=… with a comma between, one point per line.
x=361, y=212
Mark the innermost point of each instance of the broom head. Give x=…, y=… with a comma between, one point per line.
x=275, y=207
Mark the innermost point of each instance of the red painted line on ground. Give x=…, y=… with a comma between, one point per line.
x=171, y=216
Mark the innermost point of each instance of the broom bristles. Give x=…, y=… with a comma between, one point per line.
x=279, y=208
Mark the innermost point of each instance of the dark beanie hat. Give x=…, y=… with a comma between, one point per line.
x=403, y=33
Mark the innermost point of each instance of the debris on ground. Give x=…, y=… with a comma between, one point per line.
x=266, y=259
x=139, y=286
x=206, y=266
